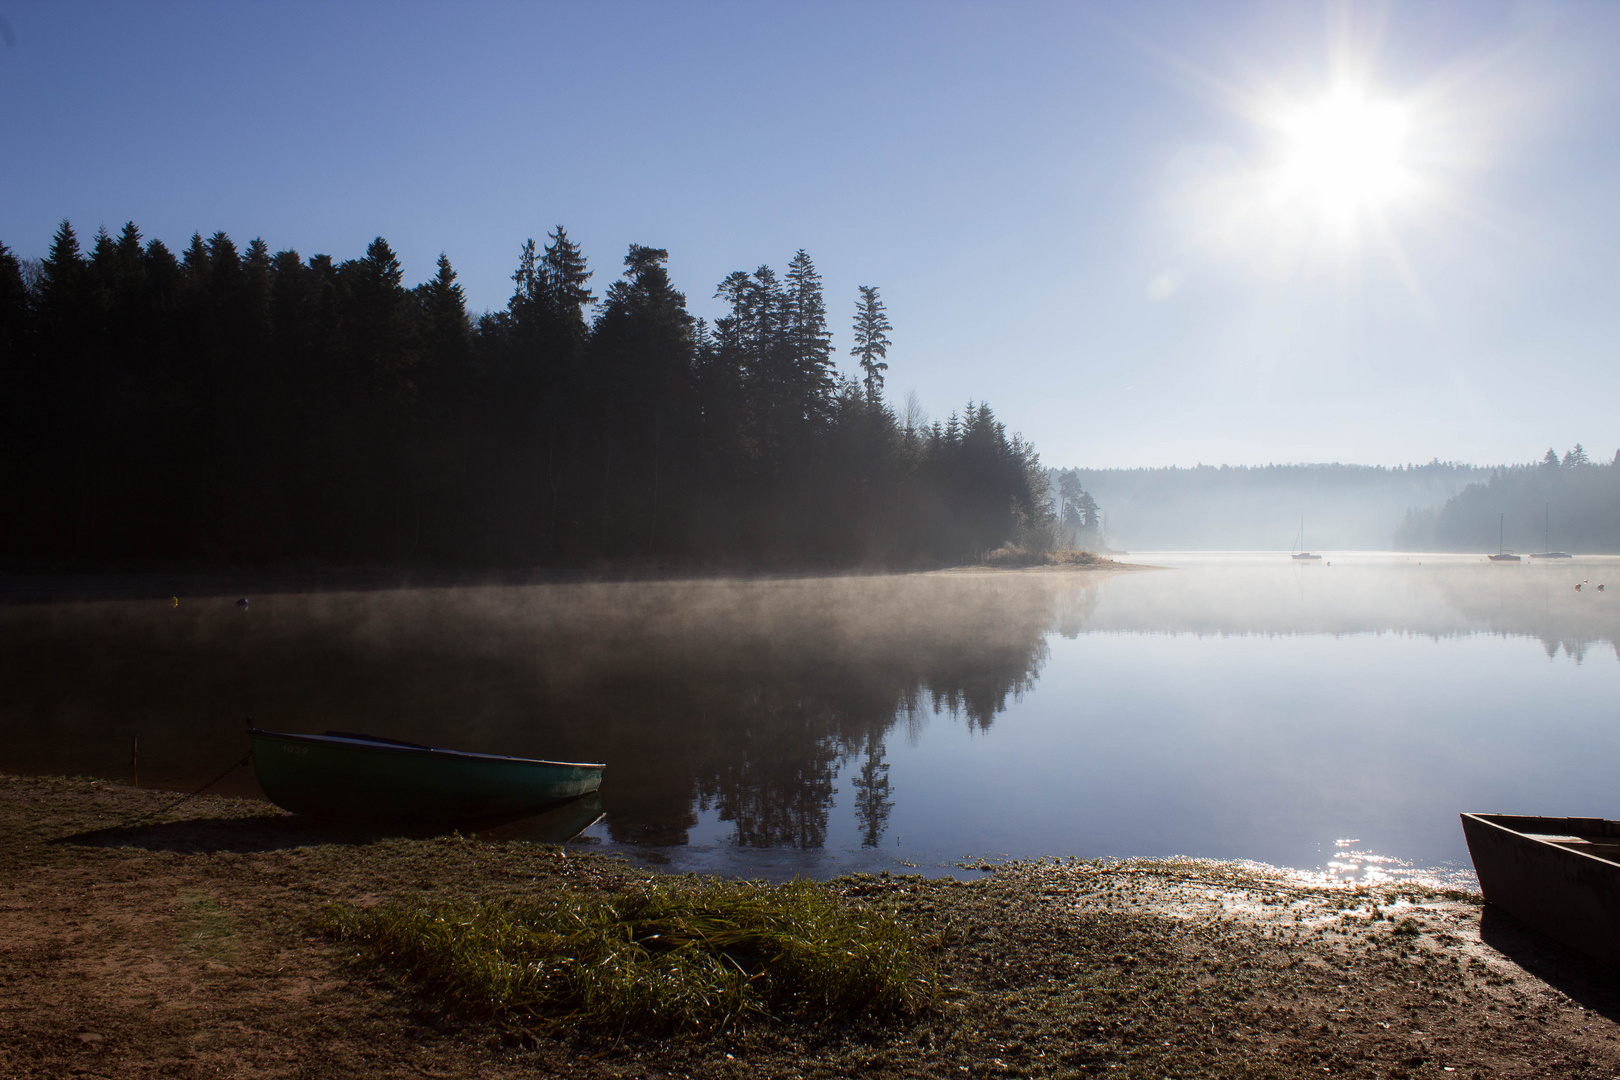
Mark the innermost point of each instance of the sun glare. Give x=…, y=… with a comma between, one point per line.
x=1344, y=153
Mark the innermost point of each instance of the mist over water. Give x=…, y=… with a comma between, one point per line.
x=1325, y=717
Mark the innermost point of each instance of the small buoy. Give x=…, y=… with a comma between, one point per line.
x=176, y=600
x=242, y=603
x=1600, y=586
x=1578, y=586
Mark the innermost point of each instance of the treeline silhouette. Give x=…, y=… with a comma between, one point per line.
x=229, y=406
x=1572, y=503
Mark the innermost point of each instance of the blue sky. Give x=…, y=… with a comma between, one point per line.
x=1070, y=209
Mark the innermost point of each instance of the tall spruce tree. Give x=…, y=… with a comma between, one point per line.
x=565, y=275
x=13, y=302
x=808, y=340
x=62, y=276
x=444, y=310
x=871, y=340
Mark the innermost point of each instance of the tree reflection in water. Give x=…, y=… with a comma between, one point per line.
x=744, y=697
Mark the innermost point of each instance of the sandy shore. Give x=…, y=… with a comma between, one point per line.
x=138, y=943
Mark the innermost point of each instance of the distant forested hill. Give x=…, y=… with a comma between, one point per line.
x=1243, y=508
x=250, y=406
x=1572, y=503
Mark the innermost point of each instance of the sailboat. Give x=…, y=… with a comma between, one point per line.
x=1500, y=555
x=1546, y=537
x=1299, y=543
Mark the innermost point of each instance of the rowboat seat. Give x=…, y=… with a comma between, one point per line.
x=1605, y=848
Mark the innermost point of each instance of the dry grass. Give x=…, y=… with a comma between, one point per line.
x=680, y=953
x=1012, y=555
x=1147, y=968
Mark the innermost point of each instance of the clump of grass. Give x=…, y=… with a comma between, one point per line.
x=206, y=927
x=1014, y=555
x=680, y=953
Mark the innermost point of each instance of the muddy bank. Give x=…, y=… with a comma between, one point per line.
x=181, y=944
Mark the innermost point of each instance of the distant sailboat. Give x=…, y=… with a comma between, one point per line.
x=1299, y=551
x=1500, y=555
x=1546, y=537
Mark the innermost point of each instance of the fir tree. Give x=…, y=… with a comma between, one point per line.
x=444, y=307
x=13, y=306
x=871, y=340
x=808, y=340
x=565, y=277
x=61, y=271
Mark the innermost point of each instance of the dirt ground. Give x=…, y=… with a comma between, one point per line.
x=180, y=945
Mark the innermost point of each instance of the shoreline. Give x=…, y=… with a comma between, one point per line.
x=183, y=942
x=34, y=586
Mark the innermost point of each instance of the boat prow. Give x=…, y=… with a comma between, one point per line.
x=1559, y=876
x=369, y=779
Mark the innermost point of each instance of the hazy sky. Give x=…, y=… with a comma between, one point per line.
x=1147, y=233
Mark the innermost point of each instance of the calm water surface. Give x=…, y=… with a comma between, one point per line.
x=1325, y=717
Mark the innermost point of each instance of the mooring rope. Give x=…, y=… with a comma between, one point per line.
x=243, y=760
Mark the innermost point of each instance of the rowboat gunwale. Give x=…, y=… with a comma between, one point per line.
x=370, y=742
x=1562, y=892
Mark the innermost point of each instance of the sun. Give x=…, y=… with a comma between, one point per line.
x=1344, y=153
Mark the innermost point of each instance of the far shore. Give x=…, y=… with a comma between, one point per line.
x=138, y=935
x=35, y=584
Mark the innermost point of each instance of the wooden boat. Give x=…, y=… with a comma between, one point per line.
x=365, y=778
x=1559, y=876
x=1299, y=542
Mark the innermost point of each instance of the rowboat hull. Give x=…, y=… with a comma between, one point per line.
x=1559, y=876
x=364, y=779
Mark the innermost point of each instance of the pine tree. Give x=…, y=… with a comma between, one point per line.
x=379, y=326
x=808, y=340
x=565, y=274
x=444, y=307
x=871, y=340
x=195, y=260
x=528, y=298
x=61, y=271
x=129, y=261
x=13, y=306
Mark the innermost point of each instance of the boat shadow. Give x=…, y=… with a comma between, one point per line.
x=279, y=832
x=1586, y=981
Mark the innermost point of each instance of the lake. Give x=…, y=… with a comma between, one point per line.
x=1330, y=717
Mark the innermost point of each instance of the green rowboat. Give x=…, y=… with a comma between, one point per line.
x=364, y=778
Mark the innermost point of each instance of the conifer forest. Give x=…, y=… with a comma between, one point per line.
x=248, y=407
